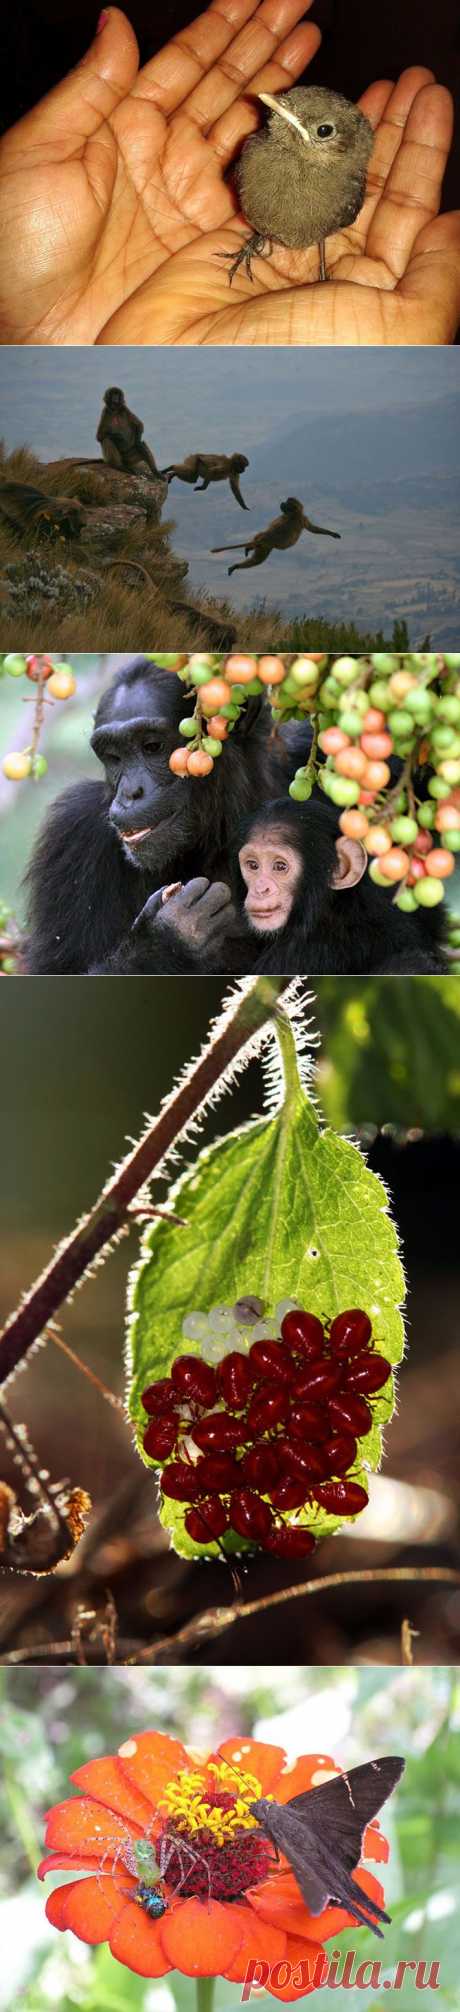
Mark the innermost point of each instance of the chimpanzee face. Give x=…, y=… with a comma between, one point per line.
x=133, y=738
x=272, y=871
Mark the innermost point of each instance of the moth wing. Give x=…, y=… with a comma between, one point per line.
x=298, y=1843
x=342, y=1808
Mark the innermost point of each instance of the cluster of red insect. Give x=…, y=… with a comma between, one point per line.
x=282, y=1434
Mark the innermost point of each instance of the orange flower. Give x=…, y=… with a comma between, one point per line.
x=180, y=1874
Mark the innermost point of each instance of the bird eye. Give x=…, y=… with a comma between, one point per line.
x=324, y=132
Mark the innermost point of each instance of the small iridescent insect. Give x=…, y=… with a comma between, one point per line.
x=148, y=1893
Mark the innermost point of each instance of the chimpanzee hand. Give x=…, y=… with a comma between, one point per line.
x=195, y=917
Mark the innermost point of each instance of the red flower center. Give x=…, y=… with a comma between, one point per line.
x=200, y=1867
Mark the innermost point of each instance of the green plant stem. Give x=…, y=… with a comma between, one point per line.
x=205, y=1987
x=251, y=1010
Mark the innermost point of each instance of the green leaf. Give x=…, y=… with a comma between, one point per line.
x=280, y=1209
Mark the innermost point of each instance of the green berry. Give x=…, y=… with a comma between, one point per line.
x=405, y=900
x=211, y=746
x=454, y=938
x=380, y=696
x=351, y=723
x=383, y=660
x=400, y=722
x=300, y=789
x=452, y=659
x=452, y=840
x=253, y=689
x=14, y=665
x=346, y=670
x=438, y=788
x=375, y=874
x=40, y=767
x=404, y=830
x=449, y=709
x=429, y=892
x=426, y=815
x=419, y=703
x=187, y=728
x=343, y=791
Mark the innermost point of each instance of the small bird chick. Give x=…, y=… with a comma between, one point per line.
x=304, y=175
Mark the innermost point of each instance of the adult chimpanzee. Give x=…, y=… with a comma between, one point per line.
x=107, y=847
x=306, y=902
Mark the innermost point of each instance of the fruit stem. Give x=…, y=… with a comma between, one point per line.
x=247, y=1014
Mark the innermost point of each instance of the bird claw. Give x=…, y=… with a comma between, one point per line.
x=252, y=247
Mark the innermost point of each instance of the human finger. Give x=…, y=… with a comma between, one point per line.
x=412, y=193
x=433, y=278
x=243, y=116
x=228, y=42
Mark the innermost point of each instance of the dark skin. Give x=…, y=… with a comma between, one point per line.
x=201, y=469
x=282, y=532
x=110, y=849
x=120, y=435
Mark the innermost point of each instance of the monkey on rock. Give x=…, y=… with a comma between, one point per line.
x=120, y=435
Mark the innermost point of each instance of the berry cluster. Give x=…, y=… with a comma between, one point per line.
x=268, y=1433
x=363, y=710
x=60, y=684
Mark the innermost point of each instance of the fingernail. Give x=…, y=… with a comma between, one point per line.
x=102, y=22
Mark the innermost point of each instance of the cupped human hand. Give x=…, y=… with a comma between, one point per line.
x=393, y=277
x=120, y=170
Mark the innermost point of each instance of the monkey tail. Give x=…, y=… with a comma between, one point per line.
x=240, y=547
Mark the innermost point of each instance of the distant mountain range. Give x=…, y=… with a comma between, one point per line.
x=388, y=482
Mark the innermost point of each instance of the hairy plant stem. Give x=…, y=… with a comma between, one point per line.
x=251, y=1010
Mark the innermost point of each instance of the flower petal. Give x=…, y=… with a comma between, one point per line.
x=64, y=1861
x=80, y=1826
x=259, y=1941
x=200, y=1937
x=252, y=1757
x=304, y=1959
x=136, y=1941
x=149, y=1760
x=278, y=1899
x=296, y=1780
x=87, y=1906
x=375, y=1845
x=106, y=1782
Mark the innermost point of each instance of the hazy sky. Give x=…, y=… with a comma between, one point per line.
x=50, y=398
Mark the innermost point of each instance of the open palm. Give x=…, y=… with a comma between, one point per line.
x=114, y=203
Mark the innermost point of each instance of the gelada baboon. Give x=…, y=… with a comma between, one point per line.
x=211, y=468
x=27, y=508
x=282, y=531
x=120, y=435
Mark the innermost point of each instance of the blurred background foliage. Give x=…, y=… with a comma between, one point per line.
x=81, y=1065
x=52, y=1722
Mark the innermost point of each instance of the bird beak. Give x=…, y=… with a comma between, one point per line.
x=274, y=106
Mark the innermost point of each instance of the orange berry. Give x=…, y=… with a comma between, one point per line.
x=332, y=740
x=377, y=775
x=178, y=761
x=447, y=817
x=395, y=863
x=218, y=727
x=417, y=871
x=62, y=684
x=376, y=745
x=199, y=763
x=239, y=670
x=373, y=721
x=378, y=840
x=216, y=693
x=441, y=863
x=400, y=683
x=270, y=670
x=353, y=823
x=351, y=762
x=367, y=796
x=423, y=843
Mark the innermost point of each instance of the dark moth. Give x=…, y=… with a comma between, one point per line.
x=321, y=1834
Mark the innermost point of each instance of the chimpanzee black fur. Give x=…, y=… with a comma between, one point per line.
x=86, y=891
x=351, y=929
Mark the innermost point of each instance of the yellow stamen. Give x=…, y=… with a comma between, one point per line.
x=184, y=1800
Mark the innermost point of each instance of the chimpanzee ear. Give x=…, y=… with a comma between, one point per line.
x=350, y=863
x=249, y=716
